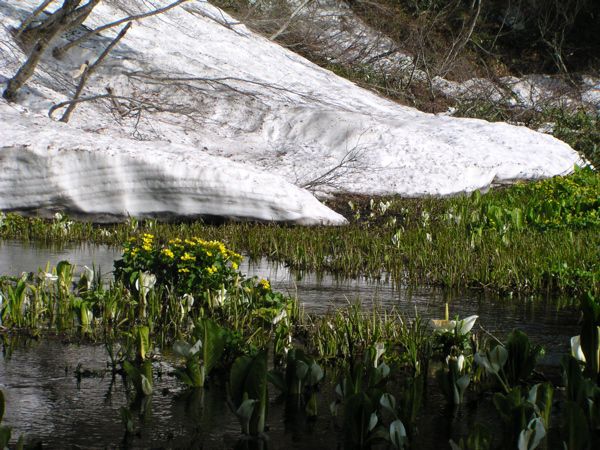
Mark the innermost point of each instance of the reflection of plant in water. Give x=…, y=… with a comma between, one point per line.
x=364, y=403
x=248, y=392
x=299, y=381
x=6, y=432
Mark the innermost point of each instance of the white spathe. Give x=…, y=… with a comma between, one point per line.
x=212, y=88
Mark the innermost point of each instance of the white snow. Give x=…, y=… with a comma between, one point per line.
x=52, y=166
x=195, y=88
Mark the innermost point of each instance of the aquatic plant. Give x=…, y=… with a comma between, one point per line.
x=522, y=357
x=453, y=379
x=525, y=417
x=362, y=397
x=13, y=303
x=248, y=392
x=189, y=266
x=203, y=355
x=590, y=336
x=139, y=368
x=581, y=422
x=477, y=240
x=299, y=380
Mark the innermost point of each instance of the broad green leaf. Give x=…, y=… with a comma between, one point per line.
x=462, y=383
x=237, y=378
x=213, y=344
x=181, y=348
x=5, y=433
x=142, y=338
x=301, y=370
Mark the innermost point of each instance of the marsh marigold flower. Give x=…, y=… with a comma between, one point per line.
x=168, y=253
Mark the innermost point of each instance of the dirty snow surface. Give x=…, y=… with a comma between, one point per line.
x=209, y=118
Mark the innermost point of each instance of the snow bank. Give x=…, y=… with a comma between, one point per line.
x=52, y=167
x=197, y=79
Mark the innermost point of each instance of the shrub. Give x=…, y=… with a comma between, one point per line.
x=190, y=266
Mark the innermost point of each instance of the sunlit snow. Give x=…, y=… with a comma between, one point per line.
x=214, y=119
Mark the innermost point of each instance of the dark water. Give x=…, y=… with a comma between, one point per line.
x=45, y=402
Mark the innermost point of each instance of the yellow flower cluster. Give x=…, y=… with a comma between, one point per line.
x=211, y=270
x=147, y=240
x=188, y=257
x=265, y=284
x=168, y=253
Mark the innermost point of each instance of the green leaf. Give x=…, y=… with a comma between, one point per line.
x=132, y=372
x=248, y=379
x=301, y=370
x=237, y=378
x=142, y=339
x=373, y=421
x=213, y=344
x=315, y=375
x=181, y=348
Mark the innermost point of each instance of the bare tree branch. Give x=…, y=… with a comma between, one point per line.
x=31, y=17
x=287, y=23
x=58, y=52
x=58, y=24
x=89, y=69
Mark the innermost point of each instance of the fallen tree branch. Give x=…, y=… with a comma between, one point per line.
x=91, y=68
x=59, y=22
x=58, y=52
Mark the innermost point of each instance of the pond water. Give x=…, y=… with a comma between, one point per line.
x=47, y=404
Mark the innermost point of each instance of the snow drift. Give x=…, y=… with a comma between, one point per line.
x=52, y=167
x=193, y=85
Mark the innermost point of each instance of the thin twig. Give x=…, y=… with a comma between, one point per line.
x=58, y=52
x=89, y=69
x=287, y=23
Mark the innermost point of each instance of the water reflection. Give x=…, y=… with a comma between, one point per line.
x=45, y=402
x=538, y=317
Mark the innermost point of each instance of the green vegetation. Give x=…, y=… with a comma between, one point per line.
x=527, y=238
x=229, y=324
